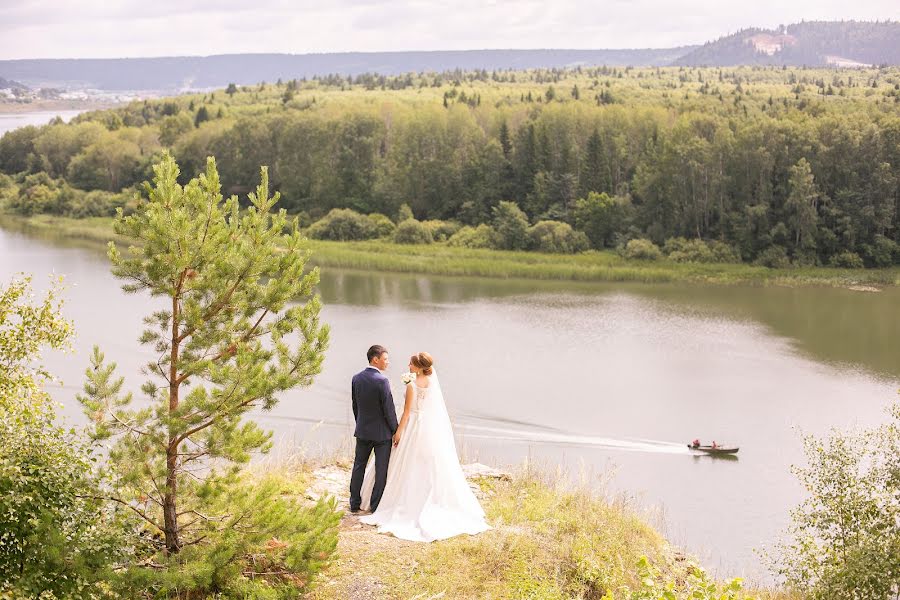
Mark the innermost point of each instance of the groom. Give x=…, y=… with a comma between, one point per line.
x=376, y=423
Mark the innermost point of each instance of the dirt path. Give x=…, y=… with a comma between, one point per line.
x=366, y=559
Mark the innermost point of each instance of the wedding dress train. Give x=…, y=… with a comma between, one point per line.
x=426, y=497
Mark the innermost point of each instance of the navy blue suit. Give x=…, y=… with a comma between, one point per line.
x=376, y=422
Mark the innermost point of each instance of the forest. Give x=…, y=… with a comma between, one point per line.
x=771, y=165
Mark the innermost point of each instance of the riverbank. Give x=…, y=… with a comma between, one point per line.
x=440, y=259
x=549, y=539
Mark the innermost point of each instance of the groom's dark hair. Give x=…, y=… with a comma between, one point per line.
x=375, y=352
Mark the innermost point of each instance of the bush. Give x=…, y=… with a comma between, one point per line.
x=404, y=213
x=847, y=260
x=58, y=537
x=556, y=237
x=511, y=225
x=56, y=534
x=482, y=236
x=441, y=231
x=773, y=257
x=843, y=541
x=384, y=227
x=641, y=249
x=883, y=253
x=411, y=231
x=684, y=250
x=343, y=224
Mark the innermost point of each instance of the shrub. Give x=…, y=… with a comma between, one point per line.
x=883, y=253
x=404, y=213
x=773, y=257
x=383, y=226
x=684, y=250
x=556, y=237
x=411, y=231
x=58, y=538
x=482, y=236
x=511, y=225
x=56, y=533
x=641, y=249
x=843, y=540
x=847, y=260
x=343, y=224
x=441, y=231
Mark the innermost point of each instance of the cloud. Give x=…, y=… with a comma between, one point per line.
x=103, y=28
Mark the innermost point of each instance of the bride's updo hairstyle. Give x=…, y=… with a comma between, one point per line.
x=423, y=361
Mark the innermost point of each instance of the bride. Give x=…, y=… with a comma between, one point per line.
x=426, y=496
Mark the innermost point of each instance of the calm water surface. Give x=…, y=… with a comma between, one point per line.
x=608, y=381
x=10, y=121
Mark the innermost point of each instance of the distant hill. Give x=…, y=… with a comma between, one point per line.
x=813, y=43
x=810, y=43
x=218, y=71
x=6, y=84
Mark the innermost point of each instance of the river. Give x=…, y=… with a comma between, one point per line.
x=14, y=120
x=606, y=381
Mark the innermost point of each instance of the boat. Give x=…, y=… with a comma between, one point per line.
x=715, y=449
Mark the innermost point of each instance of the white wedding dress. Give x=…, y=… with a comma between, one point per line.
x=426, y=496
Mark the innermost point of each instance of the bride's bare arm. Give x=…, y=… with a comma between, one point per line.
x=406, y=408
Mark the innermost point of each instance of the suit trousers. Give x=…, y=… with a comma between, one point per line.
x=364, y=449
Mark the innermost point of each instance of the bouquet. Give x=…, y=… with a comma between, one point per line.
x=408, y=378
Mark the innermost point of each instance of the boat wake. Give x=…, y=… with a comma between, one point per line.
x=561, y=438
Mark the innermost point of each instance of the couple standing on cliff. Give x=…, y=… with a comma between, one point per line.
x=416, y=489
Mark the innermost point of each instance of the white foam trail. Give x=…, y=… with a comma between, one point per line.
x=541, y=437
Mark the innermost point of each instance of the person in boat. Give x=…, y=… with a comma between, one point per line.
x=714, y=445
x=695, y=444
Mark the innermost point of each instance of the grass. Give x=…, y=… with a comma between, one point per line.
x=440, y=259
x=551, y=539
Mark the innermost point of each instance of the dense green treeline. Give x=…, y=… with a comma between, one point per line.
x=780, y=165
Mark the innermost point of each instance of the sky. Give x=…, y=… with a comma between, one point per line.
x=139, y=28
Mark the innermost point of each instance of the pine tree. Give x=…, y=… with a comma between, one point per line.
x=238, y=326
x=802, y=204
x=201, y=116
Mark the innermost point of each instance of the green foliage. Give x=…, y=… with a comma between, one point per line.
x=17, y=149
x=752, y=157
x=696, y=585
x=843, y=541
x=412, y=231
x=684, y=250
x=39, y=194
x=511, y=225
x=24, y=329
x=847, y=260
x=383, y=226
x=640, y=249
x=343, y=224
x=556, y=237
x=58, y=537
x=267, y=546
x=237, y=326
x=57, y=533
x=774, y=257
x=482, y=236
x=601, y=217
x=441, y=231
x=404, y=213
x=883, y=252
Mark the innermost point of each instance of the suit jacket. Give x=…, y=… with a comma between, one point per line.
x=373, y=406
